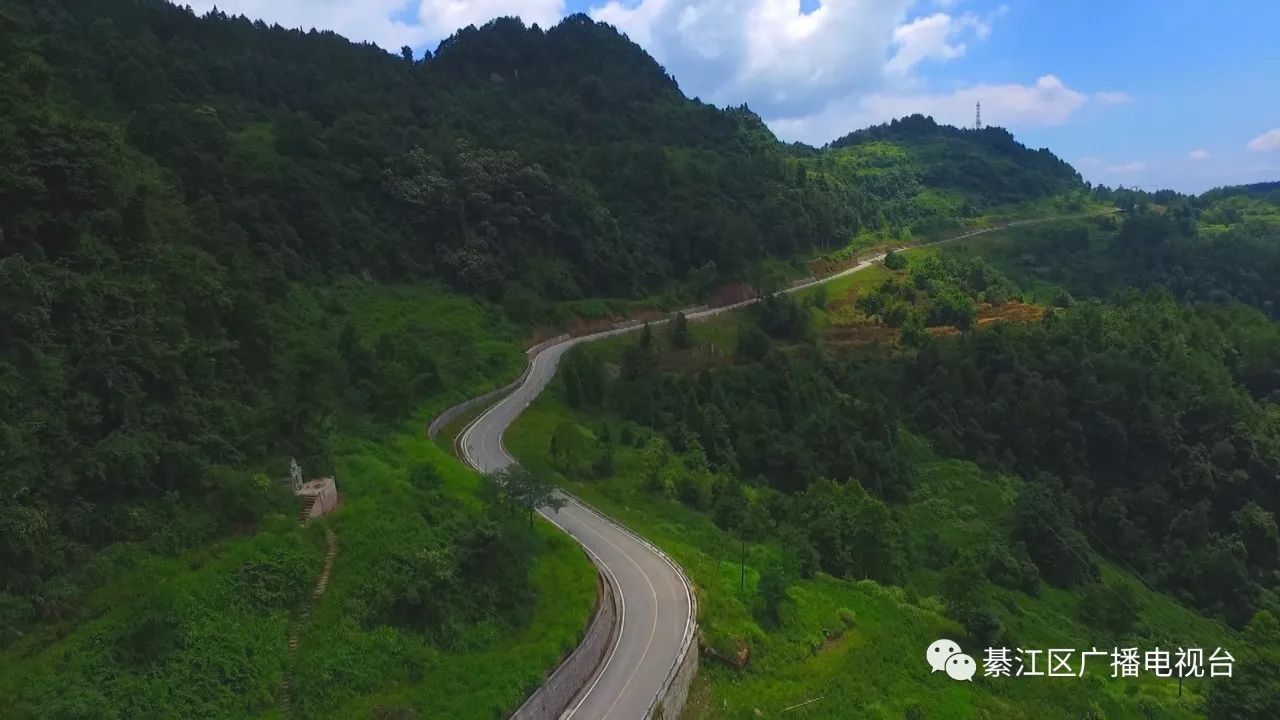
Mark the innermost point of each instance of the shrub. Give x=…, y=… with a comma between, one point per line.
x=276, y=581
x=153, y=626
x=847, y=617
x=425, y=477
x=895, y=260
x=245, y=499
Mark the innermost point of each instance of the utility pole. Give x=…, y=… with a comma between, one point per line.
x=977, y=124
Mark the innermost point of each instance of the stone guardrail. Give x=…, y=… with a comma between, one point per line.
x=442, y=420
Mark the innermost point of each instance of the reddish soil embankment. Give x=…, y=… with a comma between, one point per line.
x=883, y=335
x=586, y=326
x=730, y=294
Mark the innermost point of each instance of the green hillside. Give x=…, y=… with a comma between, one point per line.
x=932, y=451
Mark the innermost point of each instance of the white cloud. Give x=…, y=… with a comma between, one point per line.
x=1046, y=102
x=1089, y=162
x=932, y=38
x=1199, y=155
x=768, y=53
x=1112, y=98
x=847, y=64
x=1266, y=141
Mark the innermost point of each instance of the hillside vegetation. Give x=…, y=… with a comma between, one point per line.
x=1102, y=476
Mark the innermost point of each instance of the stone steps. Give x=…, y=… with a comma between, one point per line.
x=303, y=613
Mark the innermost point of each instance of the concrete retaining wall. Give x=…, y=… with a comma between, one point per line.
x=570, y=679
x=448, y=416
x=671, y=704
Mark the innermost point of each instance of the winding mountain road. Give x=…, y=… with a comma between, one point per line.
x=656, y=606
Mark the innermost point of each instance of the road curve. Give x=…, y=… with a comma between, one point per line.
x=655, y=600
x=656, y=603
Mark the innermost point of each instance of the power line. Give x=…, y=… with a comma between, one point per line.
x=1085, y=563
x=1116, y=556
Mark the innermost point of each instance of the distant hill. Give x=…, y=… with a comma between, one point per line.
x=1254, y=190
x=304, y=142
x=987, y=166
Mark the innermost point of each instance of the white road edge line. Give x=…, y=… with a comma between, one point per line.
x=653, y=629
x=622, y=618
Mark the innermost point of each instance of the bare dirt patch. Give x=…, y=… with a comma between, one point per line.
x=1012, y=311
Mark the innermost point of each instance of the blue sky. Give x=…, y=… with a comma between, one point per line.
x=1135, y=92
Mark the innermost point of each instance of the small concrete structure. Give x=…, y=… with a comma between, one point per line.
x=318, y=497
x=315, y=497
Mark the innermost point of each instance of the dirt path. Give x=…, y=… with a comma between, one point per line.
x=287, y=704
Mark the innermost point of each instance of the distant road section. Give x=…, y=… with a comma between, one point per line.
x=656, y=601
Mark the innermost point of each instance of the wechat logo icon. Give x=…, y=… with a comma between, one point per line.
x=946, y=656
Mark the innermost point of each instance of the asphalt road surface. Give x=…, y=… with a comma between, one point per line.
x=656, y=603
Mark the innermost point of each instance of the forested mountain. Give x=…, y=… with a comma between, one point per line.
x=164, y=176
x=599, y=176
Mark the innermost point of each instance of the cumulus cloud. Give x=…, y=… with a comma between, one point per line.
x=770, y=53
x=934, y=37
x=1266, y=141
x=816, y=75
x=1048, y=101
x=1199, y=155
